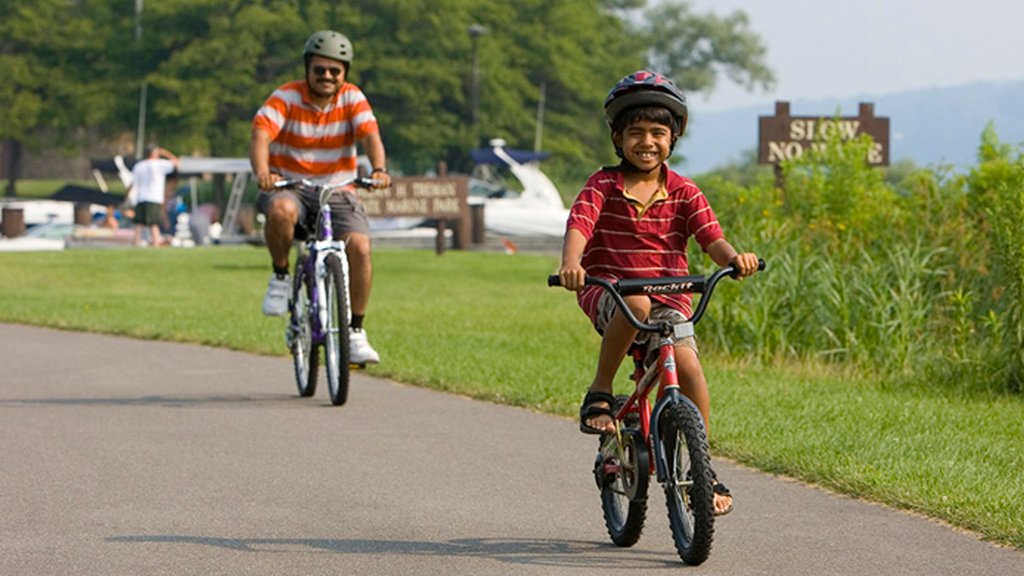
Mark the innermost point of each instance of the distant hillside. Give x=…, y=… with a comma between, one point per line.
x=930, y=127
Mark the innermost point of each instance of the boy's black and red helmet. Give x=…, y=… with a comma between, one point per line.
x=646, y=88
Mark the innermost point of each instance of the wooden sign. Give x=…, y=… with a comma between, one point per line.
x=784, y=137
x=419, y=196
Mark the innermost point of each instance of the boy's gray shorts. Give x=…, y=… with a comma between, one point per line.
x=659, y=312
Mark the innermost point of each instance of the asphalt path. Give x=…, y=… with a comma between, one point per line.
x=120, y=456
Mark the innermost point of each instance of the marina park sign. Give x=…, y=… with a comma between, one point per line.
x=784, y=137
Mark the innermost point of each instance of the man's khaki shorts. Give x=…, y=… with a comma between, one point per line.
x=347, y=213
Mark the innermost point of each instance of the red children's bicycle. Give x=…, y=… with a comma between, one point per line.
x=666, y=439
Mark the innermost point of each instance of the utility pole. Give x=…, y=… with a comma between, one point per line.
x=540, y=116
x=475, y=32
x=140, y=133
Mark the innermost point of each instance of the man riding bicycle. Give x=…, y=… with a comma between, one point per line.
x=309, y=129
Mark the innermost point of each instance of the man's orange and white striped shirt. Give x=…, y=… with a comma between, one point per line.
x=307, y=141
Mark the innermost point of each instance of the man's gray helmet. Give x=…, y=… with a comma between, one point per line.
x=330, y=44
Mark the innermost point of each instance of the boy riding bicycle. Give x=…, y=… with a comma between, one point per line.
x=633, y=220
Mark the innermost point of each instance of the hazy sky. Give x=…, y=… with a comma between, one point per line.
x=844, y=48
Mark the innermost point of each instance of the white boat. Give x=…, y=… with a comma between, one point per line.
x=530, y=206
x=52, y=235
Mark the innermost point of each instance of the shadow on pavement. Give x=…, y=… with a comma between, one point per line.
x=562, y=553
x=169, y=401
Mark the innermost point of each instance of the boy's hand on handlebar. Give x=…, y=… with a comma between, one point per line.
x=572, y=277
x=745, y=264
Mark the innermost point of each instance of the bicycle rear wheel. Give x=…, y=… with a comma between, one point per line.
x=305, y=356
x=336, y=353
x=688, y=490
x=623, y=474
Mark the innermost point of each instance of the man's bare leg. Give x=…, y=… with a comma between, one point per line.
x=360, y=267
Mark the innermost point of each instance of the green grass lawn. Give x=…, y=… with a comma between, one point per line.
x=486, y=325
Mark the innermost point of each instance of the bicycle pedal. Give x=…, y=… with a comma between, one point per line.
x=602, y=476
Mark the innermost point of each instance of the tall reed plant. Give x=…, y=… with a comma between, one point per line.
x=997, y=185
x=918, y=281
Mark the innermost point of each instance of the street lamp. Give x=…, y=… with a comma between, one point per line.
x=141, y=131
x=475, y=32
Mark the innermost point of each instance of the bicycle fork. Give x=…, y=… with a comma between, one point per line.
x=322, y=306
x=669, y=394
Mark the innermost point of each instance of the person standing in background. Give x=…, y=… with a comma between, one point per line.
x=149, y=182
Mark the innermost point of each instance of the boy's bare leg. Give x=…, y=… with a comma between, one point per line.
x=695, y=387
x=618, y=336
x=692, y=382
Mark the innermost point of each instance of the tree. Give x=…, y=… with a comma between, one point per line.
x=209, y=64
x=696, y=49
x=58, y=74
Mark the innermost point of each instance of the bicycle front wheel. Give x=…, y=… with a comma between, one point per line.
x=305, y=356
x=688, y=490
x=336, y=354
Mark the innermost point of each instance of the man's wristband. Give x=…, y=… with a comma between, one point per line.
x=382, y=170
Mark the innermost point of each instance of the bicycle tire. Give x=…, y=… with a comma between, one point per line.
x=624, y=486
x=688, y=491
x=336, y=352
x=305, y=356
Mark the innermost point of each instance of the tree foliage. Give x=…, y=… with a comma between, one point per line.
x=695, y=49
x=207, y=65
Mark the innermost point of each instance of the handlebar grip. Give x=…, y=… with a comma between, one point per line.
x=364, y=182
x=734, y=273
x=554, y=280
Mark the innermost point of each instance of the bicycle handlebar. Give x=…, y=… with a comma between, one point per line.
x=360, y=182
x=705, y=285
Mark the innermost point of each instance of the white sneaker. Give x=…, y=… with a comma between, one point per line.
x=359, y=349
x=275, y=303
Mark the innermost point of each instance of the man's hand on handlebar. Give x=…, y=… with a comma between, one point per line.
x=266, y=180
x=381, y=179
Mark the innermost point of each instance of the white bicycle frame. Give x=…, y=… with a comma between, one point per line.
x=324, y=248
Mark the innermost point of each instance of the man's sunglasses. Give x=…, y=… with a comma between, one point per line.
x=323, y=70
